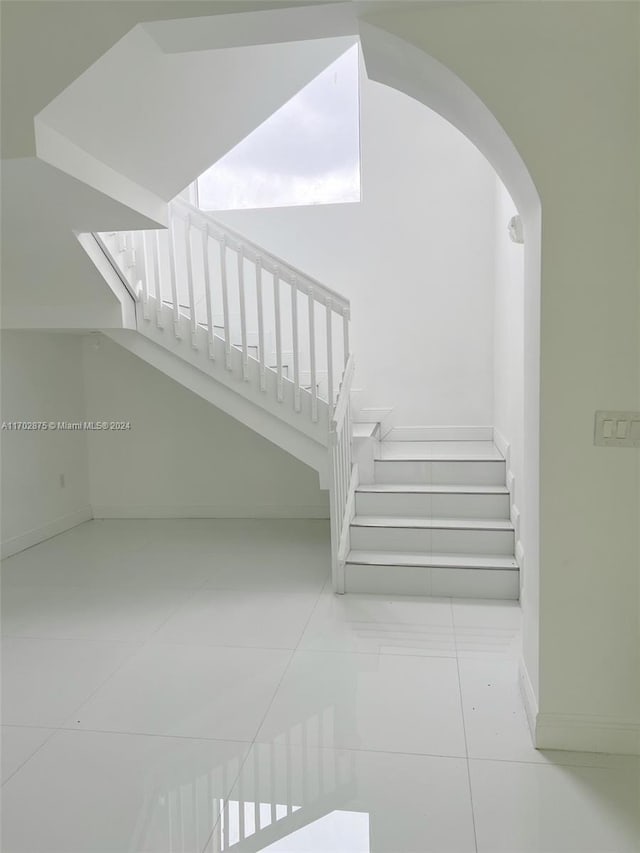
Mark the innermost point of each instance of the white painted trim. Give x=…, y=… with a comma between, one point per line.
x=33, y=537
x=528, y=697
x=376, y=416
x=515, y=520
x=441, y=433
x=114, y=279
x=577, y=732
x=520, y=560
x=501, y=443
x=588, y=733
x=211, y=511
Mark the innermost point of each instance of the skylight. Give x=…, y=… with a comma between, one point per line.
x=307, y=152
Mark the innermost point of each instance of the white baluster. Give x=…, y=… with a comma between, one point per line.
x=345, y=332
x=340, y=476
x=312, y=356
x=138, y=269
x=225, y=302
x=172, y=271
x=207, y=290
x=192, y=301
x=146, y=276
x=257, y=775
x=157, y=278
x=263, y=372
x=129, y=251
x=333, y=503
x=278, y=319
x=329, y=310
x=243, y=316
x=297, y=404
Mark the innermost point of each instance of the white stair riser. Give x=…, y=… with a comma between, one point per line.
x=453, y=473
x=437, y=541
x=432, y=506
x=411, y=580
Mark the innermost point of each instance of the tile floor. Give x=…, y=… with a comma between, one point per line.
x=195, y=686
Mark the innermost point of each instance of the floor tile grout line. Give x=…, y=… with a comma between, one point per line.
x=264, y=716
x=52, y=732
x=631, y=763
x=187, y=600
x=122, y=663
x=628, y=763
x=464, y=728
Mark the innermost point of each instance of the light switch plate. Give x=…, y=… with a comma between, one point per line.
x=617, y=429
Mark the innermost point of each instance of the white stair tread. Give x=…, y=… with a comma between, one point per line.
x=445, y=561
x=428, y=523
x=440, y=451
x=429, y=489
x=360, y=430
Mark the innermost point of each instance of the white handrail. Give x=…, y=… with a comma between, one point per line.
x=270, y=262
x=198, y=288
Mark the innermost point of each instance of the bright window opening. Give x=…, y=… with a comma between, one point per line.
x=307, y=152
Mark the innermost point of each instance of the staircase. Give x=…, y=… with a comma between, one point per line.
x=434, y=521
x=269, y=345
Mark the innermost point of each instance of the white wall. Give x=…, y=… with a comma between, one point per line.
x=415, y=258
x=182, y=456
x=508, y=344
x=42, y=381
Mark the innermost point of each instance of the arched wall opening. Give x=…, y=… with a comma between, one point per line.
x=396, y=63
x=314, y=240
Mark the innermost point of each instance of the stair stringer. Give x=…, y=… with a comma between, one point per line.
x=294, y=432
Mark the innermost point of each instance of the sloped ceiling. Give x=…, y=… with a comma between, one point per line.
x=160, y=119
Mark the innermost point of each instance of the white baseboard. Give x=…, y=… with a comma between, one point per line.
x=577, y=732
x=586, y=733
x=15, y=544
x=440, y=433
x=217, y=511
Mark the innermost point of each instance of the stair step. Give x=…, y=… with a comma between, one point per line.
x=438, y=536
x=442, y=451
x=434, y=503
x=454, y=575
x=431, y=489
x=432, y=523
x=443, y=561
x=453, y=472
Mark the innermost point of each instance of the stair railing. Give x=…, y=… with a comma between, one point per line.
x=343, y=479
x=239, y=292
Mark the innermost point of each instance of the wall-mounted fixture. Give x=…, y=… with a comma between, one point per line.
x=617, y=429
x=516, y=232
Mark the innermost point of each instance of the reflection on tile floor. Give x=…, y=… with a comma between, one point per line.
x=194, y=685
